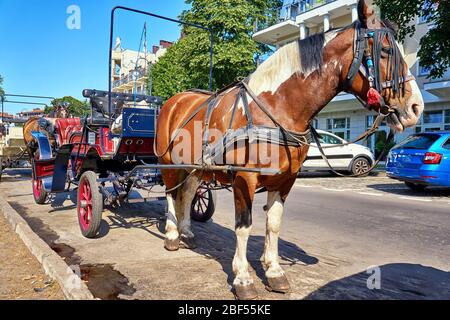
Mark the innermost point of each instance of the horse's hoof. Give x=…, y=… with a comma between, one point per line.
x=247, y=292
x=172, y=245
x=188, y=242
x=278, y=284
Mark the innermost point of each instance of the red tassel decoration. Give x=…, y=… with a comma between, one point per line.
x=374, y=99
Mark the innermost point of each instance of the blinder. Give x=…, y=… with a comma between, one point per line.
x=367, y=60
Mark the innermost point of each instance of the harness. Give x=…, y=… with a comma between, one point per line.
x=366, y=61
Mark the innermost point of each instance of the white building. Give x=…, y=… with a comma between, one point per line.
x=345, y=116
x=130, y=67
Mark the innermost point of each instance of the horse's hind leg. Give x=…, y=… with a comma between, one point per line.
x=243, y=192
x=276, y=278
x=184, y=223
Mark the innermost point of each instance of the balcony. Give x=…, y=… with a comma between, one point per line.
x=127, y=82
x=276, y=27
x=440, y=89
x=285, y=25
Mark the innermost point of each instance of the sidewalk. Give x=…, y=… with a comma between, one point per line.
x=21, y=275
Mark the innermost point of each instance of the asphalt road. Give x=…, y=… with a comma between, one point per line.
x=333, y=231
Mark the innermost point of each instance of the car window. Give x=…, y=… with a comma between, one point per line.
x=326, y=138
x=446, y=145
x=420, y=141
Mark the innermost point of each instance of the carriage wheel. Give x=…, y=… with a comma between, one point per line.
x=39, y=194
x=203, y=205
x=89, y=205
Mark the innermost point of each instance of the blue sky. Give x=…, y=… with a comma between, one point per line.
x=39, y=55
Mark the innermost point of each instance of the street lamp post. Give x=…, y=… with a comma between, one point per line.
x=3, y=99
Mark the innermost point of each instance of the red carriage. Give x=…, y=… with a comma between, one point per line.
x=104, y=166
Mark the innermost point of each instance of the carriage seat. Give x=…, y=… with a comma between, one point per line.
x=65, y=127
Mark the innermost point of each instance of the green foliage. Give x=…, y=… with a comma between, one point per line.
x=186, y=64
x=434, y=50
x=76, y=107
x=381, y=137
x=2, y=93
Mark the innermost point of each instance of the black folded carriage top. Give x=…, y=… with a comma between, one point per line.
x=99, y=103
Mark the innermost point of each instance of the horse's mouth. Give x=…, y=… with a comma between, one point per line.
x=393, y=121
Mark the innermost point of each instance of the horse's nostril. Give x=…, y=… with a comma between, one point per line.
x=416, y=110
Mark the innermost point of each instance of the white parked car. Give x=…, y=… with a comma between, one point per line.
x=353, y=157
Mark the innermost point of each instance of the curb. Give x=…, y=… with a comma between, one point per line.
x=54, y=266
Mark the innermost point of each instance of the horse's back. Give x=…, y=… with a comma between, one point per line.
x=174, y=113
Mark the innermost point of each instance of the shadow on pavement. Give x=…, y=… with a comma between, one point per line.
x=398, y=281
x=401, y=189
x=329, y=174
x=219, y=243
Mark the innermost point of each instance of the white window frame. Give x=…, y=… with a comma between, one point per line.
x=346, y=129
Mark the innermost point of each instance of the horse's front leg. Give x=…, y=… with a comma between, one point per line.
x=276, y=278
x=172, y=240
x=243, y=197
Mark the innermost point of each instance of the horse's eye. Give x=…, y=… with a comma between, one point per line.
x=387, y=50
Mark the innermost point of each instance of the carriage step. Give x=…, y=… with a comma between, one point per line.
x=143, y=200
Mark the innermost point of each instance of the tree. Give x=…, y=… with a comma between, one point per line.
x=186, y=63
x=434, y=52
x=2, y=93
x=76, y=107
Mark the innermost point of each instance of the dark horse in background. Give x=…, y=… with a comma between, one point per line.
x=295, y=84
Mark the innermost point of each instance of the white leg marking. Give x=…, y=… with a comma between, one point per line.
x=188, y=193
x=275, y=211
x=240, y=263
x=171, y=222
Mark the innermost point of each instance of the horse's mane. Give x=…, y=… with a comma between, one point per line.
x=311, y=52
x=302, y=57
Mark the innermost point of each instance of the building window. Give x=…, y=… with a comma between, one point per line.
x=423, y=19
x=340, y=127
x=422, y=71
x=434, y=121
x=379, y=136
x=315, y=123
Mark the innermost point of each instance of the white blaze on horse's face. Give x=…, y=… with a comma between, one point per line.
x=407, y=110
x=414, y=106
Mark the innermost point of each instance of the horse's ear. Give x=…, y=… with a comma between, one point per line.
x=368, y=14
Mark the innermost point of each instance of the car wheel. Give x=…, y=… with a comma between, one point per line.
x=415, y=186
x=360, y=166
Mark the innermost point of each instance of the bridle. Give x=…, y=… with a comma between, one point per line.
x=367, y=60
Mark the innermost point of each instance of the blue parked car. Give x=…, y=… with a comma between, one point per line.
x=421, y=160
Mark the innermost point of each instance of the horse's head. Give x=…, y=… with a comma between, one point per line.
x=378, y=74
x=62, y=110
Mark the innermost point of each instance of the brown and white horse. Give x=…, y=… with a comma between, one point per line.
x=295, y=84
